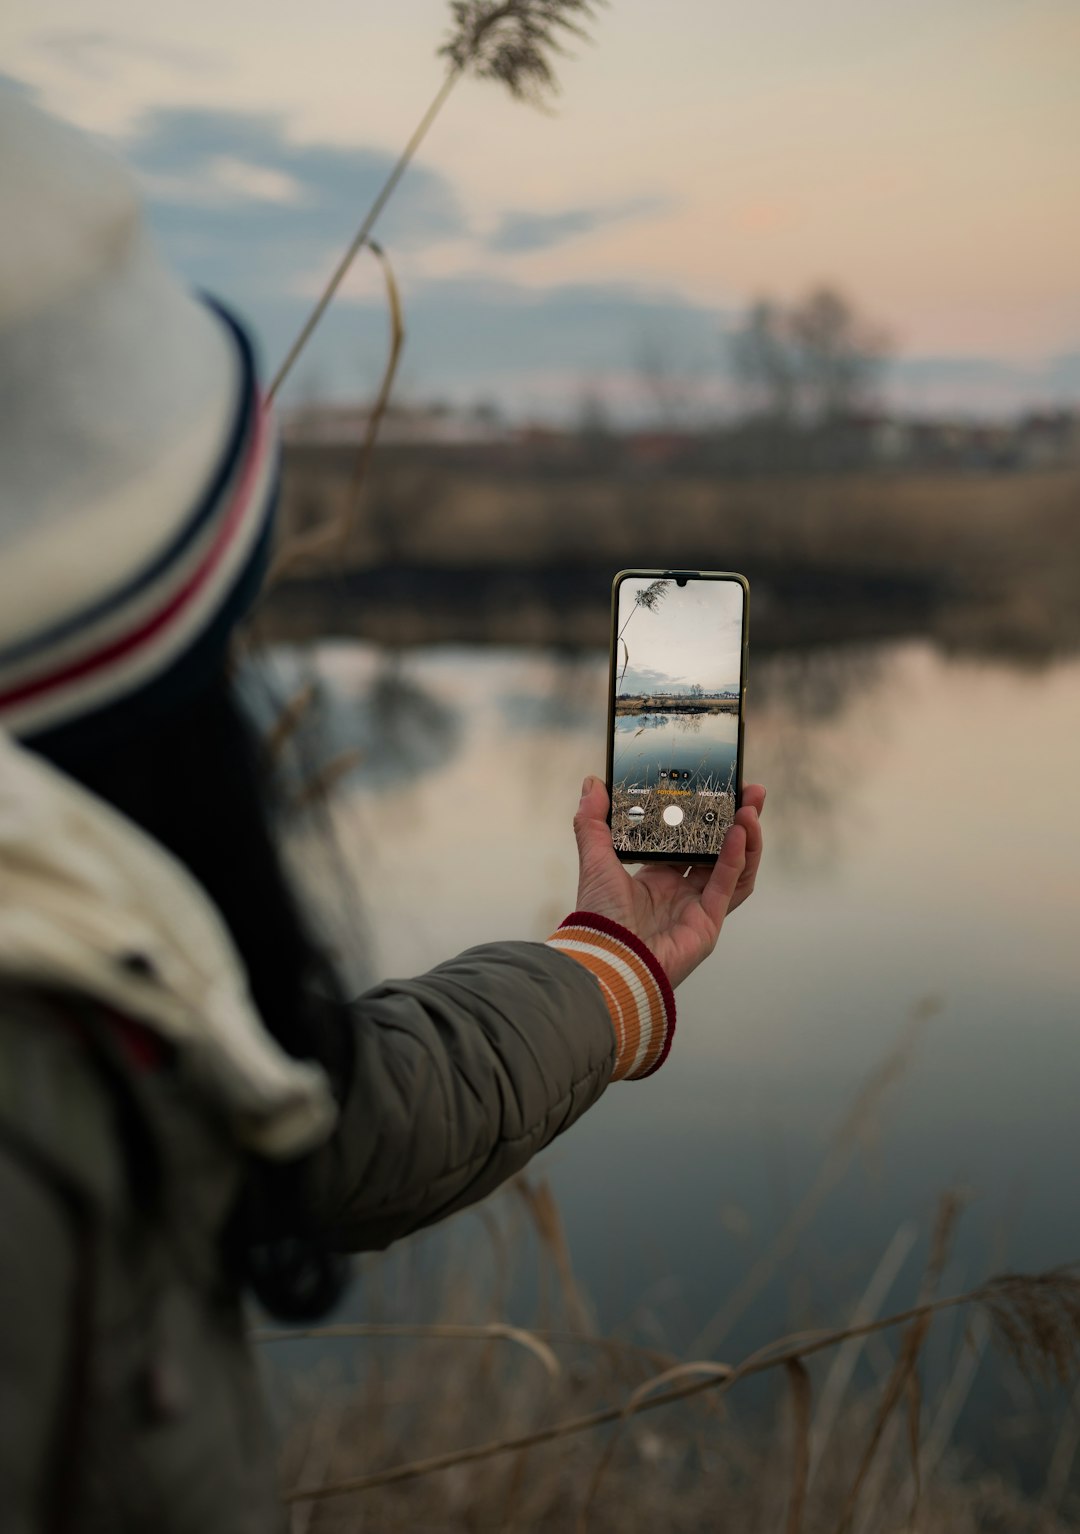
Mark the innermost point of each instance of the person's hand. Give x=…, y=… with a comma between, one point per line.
x=676, y=913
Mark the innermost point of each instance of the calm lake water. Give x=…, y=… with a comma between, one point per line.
x=703, y=745
x=923, y=830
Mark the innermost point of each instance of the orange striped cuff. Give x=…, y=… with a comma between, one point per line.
x=637, y=992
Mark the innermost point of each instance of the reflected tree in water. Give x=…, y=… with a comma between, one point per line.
x=570, y=699
x=409, y=730
x=817, y=683
x=326, y=731
x=688, y=724
x=792, y=748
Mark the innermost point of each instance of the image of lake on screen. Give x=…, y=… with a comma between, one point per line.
x=678, y=675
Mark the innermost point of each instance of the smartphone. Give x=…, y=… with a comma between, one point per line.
x=676, y=707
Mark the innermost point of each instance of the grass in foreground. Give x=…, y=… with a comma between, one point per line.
x=467, y=1424
x=693, y=837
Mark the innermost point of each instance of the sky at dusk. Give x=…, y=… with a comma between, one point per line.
x=693, y=635
x=922, y=157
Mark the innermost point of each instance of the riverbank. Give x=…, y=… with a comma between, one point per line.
x=985, y=564
x=803, y=1007
x=470, y=1421
x=680, y=705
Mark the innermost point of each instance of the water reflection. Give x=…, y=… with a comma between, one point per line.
x=816, y=725
x=895, y=865
x=566, y=699
x=902, y=862
x=410, y=728
x=362, y=718
x=649, y=746
x=817, y=684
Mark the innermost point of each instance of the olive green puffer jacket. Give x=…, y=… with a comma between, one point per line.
x=128, y=1395
x=141, y=1097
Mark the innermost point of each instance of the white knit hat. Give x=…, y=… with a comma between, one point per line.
x=137, y=461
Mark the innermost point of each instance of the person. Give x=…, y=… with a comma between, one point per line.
x=191, y=1110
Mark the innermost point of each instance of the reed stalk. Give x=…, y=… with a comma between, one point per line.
x=511, y=41
x=1036, y=1316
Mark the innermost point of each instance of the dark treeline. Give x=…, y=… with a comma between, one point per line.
x=455, y=550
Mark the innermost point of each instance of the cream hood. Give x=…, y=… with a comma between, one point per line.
x=82, y=890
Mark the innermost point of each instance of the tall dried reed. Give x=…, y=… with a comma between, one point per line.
x=514, y=42
x=1036, y=1317
x=851, y=1461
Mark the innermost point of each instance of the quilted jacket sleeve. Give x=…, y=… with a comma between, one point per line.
x=458, y=1077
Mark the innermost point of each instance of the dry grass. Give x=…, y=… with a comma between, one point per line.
x=510, y=1434
x=642, y=704
x=985, y=563
x=471, y=1423
x=693, y=837
x=322, y=544
x=461, y=514
x=856, y=1128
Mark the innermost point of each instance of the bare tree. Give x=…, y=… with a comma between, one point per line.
x=763, y=364
x=668, y=383
x=809, y=364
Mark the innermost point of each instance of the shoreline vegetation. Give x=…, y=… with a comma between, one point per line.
x=673, y=704
x=694, y=837
x=453, y=549
x=445, y=1413
x=441, y=1410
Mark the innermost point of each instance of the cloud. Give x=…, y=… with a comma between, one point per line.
x=248, y=214
x=19, y=87
x=541, y=351
x=983, y=385
x=1063, y=374
x=94, y=53
x=224, y=181
x=247, y=211
x=647, y=679
x=523, y=232
x=482, y=324
x=639, y=680
x=533, y=350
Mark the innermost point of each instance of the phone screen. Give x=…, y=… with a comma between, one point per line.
x=676, y=713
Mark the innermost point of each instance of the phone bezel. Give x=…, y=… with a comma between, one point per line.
x=706, y=858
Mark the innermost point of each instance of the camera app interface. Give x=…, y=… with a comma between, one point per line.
x=678, y=676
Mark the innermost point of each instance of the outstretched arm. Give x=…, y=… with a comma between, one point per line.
x=461, y=1075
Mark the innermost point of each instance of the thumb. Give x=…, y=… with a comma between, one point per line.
x=591, y=830
x=728, y=869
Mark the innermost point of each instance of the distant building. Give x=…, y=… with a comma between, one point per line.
x=404, y=426
x=860, y=441
x=1045, y=440
x=1048, y=439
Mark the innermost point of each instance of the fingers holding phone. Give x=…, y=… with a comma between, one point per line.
x=749, y=817
x=677, y=915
